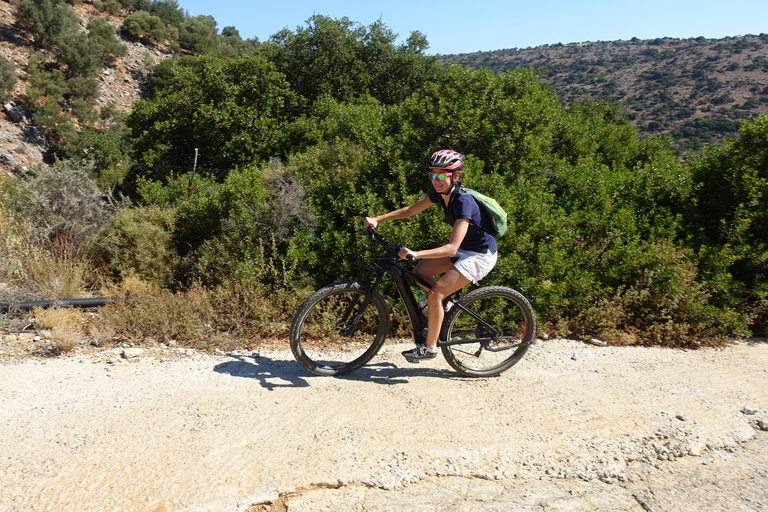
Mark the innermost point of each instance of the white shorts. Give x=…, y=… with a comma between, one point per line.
x=474, y=265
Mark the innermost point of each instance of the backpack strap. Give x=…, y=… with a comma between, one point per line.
x=461, y=192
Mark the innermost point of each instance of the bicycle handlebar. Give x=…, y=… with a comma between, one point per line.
x=393, y=249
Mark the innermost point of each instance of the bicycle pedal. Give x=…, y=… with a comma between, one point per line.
x=413, y=361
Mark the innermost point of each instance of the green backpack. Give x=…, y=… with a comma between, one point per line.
x=492, y=210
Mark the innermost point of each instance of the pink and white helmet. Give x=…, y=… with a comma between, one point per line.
x=446, y=159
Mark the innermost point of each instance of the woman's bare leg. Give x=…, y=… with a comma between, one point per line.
x=451, y=281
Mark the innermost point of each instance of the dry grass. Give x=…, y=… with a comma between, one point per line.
x=65, y=338
x=64, y=324
x=130, y=286
x=17, y=248
x=61, y=268
x=55, y=269
x=47, y=319
x=101, y=333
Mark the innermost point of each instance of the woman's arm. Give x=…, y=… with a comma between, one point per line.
x=402, y=213
x=457, y=236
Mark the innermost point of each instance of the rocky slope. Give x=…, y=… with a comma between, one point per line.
x=120, y=83
x=696, y=89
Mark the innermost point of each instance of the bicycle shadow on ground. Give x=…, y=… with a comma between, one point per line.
x=273, y=373
x=270, y=373
x=389, y=373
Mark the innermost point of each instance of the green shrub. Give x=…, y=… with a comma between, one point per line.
x=728, y=220
x=146, y=27
x=235, y=112
x=111, y=6
x=661, y=302
x=7, y=78
x=103, y=34
x=44, y=81
x=85, y=88
x=80, y=55
x=167, y=10
x=46, y=19
x=139, y=242
x=250, y=217
x=107, y=149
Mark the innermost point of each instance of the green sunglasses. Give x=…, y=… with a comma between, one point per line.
x=439, y=176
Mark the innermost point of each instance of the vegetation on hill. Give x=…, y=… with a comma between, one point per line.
x=250, y=170
x=698, y=90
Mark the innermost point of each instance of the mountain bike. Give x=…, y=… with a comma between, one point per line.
x=341, y=326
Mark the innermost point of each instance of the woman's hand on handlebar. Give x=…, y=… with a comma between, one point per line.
x=370, y=222
x=406, y=254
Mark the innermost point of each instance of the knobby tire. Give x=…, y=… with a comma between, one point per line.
x=500, y=344
x=336, y=332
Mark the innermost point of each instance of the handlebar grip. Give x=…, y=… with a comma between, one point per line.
x=411, y=257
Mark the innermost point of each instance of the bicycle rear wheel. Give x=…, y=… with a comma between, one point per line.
x=486, y=348
x=337, y=331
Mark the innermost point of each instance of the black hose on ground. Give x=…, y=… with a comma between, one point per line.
x=77, y=303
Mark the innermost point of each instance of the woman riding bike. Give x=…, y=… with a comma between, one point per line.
x=469, y=255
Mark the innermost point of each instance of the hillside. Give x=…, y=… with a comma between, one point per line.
x=696, y=89
x=120, y=83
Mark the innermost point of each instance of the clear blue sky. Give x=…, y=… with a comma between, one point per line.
x=453, y=26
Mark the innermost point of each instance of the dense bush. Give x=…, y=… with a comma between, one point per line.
x=60, y=199
x=106, y=149
x=729, y=219
x=7, y=78
x=610, y=234
x=139, y=242
x=144, y=26
x=46, y=19
x=235, y=112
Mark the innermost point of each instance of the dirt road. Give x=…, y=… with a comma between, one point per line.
x=572, y=427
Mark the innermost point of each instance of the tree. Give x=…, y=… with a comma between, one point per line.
x=144, y=26
x=235, y=112
x=168, y=11
x=199, y=35
x=47, y=19
x=7, y=78
x=232, y=45
x=103, y=34
x=502, y=119
x=80, y=55
x=345, y=60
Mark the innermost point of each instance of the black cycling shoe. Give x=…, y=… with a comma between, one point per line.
x=418, y=353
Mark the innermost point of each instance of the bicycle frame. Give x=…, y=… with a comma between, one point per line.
x=400, y=275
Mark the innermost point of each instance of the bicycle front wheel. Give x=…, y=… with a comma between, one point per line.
x=491, y=334
x=338, y=329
